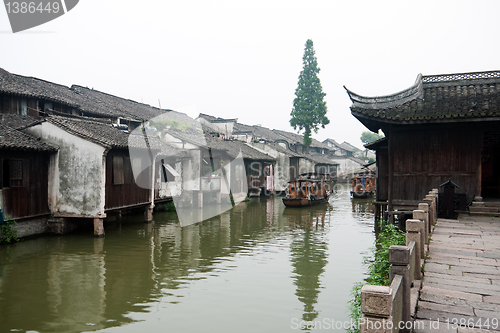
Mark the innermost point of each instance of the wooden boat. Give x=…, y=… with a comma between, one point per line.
x=308, y=189
x=363, y=184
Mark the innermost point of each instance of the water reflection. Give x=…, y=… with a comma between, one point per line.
x=308, y=257
x=257, y=263
x=363, y=206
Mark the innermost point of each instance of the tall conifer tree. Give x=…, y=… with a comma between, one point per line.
x=309, y=109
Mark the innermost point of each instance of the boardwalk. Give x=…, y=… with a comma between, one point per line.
x=462, y=277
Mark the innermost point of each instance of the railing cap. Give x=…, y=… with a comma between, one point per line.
x=399, y=255
x=419, y=214
x=414, y=225
x=423, y=206
x=376, y=300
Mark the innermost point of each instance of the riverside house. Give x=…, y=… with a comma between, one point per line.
x=443, y=127
x=25, y=164
x=81, y=165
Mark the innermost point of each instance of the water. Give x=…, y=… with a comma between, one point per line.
x=257, y=268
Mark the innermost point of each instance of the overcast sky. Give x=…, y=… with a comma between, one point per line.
x=242, y=59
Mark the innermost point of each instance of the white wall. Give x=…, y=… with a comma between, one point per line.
x=346, y=167
x=77, y=185
x=281, y=168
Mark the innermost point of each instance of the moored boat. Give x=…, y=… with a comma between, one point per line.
x=363, y=184
x=308, y=189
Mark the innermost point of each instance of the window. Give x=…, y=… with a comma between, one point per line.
x=118, y=178
x=24, y=107
x=13, y=173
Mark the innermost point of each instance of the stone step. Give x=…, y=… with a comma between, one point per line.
x=492, y=204
x=483, y=210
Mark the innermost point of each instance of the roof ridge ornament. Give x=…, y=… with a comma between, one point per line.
x=460, y=76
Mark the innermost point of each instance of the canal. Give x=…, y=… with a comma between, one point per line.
x=256, y=268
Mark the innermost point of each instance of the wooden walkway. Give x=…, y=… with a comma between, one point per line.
x=461, y=287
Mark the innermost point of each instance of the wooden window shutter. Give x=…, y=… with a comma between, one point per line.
x=118, y=170
x=16, y=173
x=128, y=176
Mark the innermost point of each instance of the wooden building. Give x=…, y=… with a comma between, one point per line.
x=443, y=127
x=24, y=169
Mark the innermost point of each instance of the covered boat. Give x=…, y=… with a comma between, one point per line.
x=364, y=182
x=307, y=190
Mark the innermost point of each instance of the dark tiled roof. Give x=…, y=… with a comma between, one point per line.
x=11, y=138
x=242, y=128
x=434, y=98
x=320, y=159
x=297, y=138
x=347, y=146
x=281, y=149
x=83, y=99
x=195, y=137
x=267, y=134
x=36, y=88
x=233, y=148
x=213, y=119
x=94, y=101
x=17, y=121
x=100, y=132
x=103, y=133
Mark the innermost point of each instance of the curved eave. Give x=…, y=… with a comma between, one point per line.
x=375, y=123
x=387, y=101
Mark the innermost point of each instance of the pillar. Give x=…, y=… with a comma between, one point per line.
x=98, y=227
x=414, y=229
x=198, y=199
x=399, y=257
x=419, y=215
x=425, y=208
x=432, y=220
x=148, y=214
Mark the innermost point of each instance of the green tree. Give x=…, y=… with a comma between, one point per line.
x=309, y=109
x=367, y=137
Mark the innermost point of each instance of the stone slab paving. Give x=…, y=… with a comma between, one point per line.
x=461, y=287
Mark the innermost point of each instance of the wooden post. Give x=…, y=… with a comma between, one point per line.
x=414, y=230
x=98, y=227
x=399, y=257
x=390, y=180
x=425, y=208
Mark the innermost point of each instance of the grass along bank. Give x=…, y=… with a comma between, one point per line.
x=378, y=267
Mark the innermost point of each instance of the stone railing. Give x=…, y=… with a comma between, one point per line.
x=388, y=309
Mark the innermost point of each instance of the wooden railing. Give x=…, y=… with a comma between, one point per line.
x=388, y=309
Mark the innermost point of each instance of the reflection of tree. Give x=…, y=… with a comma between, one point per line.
x=308, y=259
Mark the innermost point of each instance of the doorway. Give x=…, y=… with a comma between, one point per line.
x=490, y=165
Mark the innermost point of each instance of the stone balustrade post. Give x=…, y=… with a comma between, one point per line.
x=420, y=215
x=399, y=257
x=425, y=207
x=376, y=306
x=434, y=195
x=430, y=201
x=414, y=230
